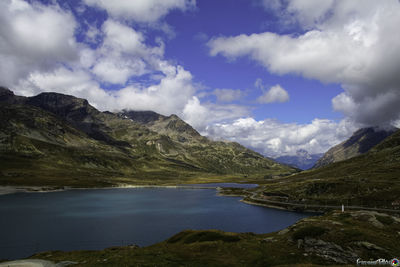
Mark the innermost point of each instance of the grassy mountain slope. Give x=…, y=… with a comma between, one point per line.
x=37, y=148
x=371, y=179
x=359, y=143
x=56, y=139
x=171, y=126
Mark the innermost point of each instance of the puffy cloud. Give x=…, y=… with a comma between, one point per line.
x=272, y=138
x=274, y=94
x=168, y=96
x=124, y=54
x=111, y=70
x=227, y=95
x=195, y=114
x=353, y=43
x=33, y=37
x=141, y=10
x=201, y=116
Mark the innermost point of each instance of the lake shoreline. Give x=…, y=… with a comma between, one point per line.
x=5, y=189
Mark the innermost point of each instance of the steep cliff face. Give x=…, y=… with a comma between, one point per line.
x=49, y=138
x=359, y=143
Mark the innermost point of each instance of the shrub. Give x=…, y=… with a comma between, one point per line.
x=308, y=231
x=211, y=236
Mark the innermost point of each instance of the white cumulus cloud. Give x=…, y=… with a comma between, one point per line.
x=273, y=138
x=274, y=94
x=124, y=54
x=353, y=43
x=33, y=37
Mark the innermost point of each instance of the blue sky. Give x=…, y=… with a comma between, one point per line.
x=195, y=28
x=274, y=75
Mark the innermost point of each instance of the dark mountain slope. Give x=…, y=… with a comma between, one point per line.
x=37, y=148
x=359, y=143
x=8, y=97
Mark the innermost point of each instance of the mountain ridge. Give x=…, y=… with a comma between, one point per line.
x=359, y=143
x=47, y=138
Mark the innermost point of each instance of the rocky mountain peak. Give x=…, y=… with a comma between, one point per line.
x=58, y=100
x=180, y=126
x=171, y=125
x=174, y=117
x=5, y=91
x=142, y=117
x=63, y=105
x=7, y=96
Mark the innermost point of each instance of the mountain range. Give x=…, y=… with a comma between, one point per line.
x=302, y=160
x=56, y=139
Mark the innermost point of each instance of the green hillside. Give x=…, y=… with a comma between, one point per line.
x=359, y=143
x=368, y=180
x=60, y=140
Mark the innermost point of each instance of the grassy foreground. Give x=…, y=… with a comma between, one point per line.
x=335, y=238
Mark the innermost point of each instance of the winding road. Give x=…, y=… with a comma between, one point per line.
x=304, y=206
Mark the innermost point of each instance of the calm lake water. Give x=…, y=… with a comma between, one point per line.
x=96, y=219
